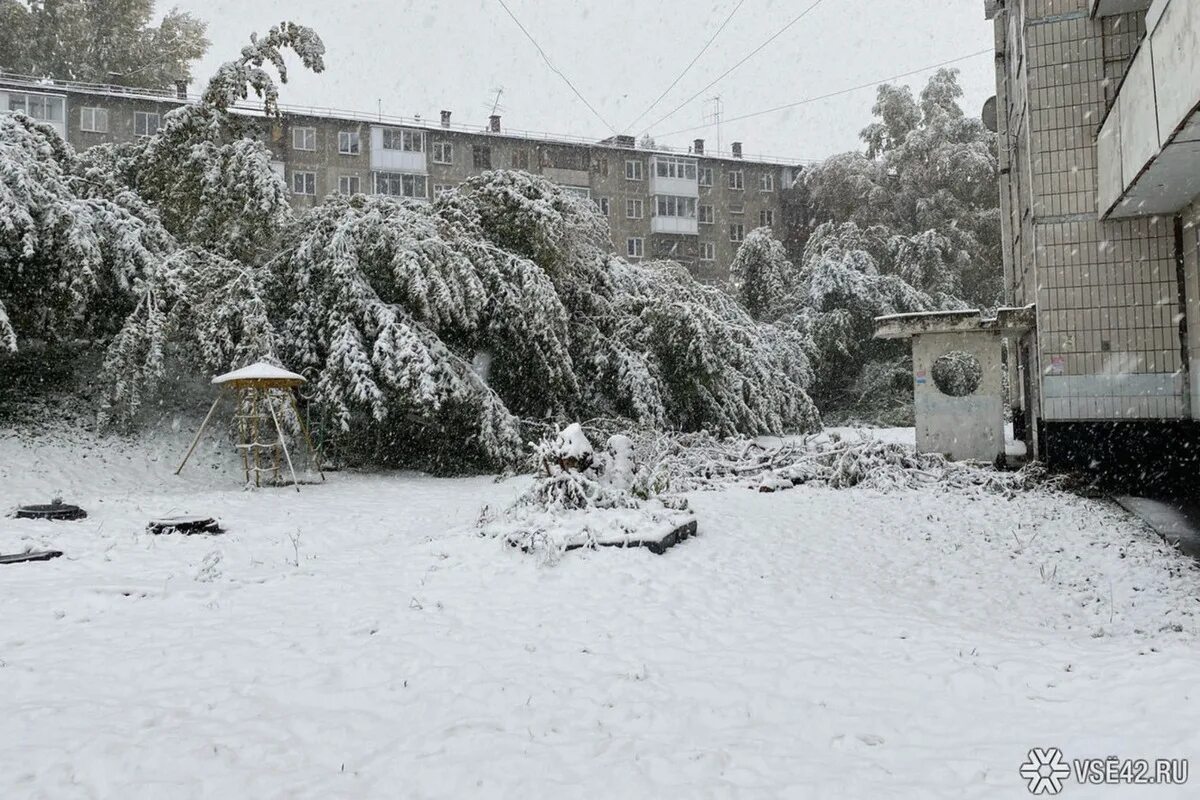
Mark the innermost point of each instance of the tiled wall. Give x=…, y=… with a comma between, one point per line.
x=1107, y=292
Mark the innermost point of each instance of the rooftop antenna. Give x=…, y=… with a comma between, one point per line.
x=380, y=102
x=713, y=115
x=499, y=90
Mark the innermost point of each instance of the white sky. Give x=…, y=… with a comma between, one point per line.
x=419, y=56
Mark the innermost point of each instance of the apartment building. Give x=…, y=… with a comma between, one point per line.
x=1099, y=128
x=693, y=206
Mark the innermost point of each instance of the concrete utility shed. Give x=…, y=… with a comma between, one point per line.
x=958, y=369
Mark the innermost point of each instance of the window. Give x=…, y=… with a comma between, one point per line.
x=737, y=232
x=706, y=215
x=38, y=106
x=671, y=206
x=443, y=152
x=520, y=159
x=766, y=182
x=407, y=141
x=145, y=123
x=304, y=138
x=667, y=167
x=93, y=120
x=400, y=184
x=737, y=208
x=633, y=208
x=604, y=206
x=766, y=218
x=737, y=179
x=635, y=248
x=440, y=189
x=633, y=170
x=706, y=176
x=481, y=156
x=304, y=183
x=708, y=251
x=349, y=143
x=349, y=184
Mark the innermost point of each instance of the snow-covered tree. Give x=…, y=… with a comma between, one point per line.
x=206, y=180
x=717, y=368
x=102, y=42
x=930, y=262
x=842, y=288
x=761, y=275
x=911, y=225
x=60, y=247
x=207, y=172
x=433, y=332
x=391, y=303
x=897, y=115
x=928, y=167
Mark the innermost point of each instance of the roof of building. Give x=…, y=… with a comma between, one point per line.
x=168, y=96
x=903, y=326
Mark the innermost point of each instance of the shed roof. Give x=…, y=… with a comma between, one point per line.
x=903, y=326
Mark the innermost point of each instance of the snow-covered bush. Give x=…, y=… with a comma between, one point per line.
x=584, y=498
x=701, y=462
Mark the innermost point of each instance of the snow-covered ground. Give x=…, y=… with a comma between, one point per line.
x=359, y=640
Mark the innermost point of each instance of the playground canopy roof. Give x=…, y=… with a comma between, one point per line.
x=260, y=373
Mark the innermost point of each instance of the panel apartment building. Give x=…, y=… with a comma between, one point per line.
x=694, y=207
x=1099, y=129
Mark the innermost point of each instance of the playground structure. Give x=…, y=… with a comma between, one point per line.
x=261, y=438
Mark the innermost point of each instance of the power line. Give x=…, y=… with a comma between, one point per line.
x=553, y=68
x=751, y=55
x=678, y=78
x=838, y=93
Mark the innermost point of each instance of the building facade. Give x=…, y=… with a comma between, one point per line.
x=1099, y=130
x=694, y=207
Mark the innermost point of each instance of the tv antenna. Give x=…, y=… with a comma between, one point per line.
x=496, y=107
x=714, y=108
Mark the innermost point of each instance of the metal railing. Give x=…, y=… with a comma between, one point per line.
x=171, y=96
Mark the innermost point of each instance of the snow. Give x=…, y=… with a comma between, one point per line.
x=259, y=371
x=572, y=443
x=360, y=639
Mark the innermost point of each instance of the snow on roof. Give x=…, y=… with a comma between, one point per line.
x=262, y=371
x=902, y=326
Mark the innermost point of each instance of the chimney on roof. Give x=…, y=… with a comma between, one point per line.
x=445, y=118
x=494, y=123
x=181, y=90
x=737, y=149
x=698, y=147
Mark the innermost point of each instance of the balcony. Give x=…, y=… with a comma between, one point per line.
x=671, y=175
x=683, y=226
x=47, y=108
x=398, y=150
x=1111, y=8
x=1149, y=145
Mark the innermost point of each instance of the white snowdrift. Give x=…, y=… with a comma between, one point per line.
x=359, y=639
